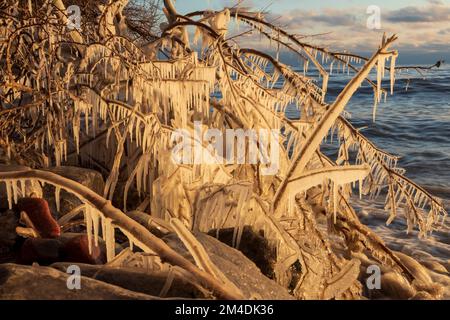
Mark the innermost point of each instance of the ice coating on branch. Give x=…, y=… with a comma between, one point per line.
x=219, y=21
x=112, y=20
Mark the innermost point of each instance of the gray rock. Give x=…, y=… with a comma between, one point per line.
x=8, y=236
x=87, y=177
x=8, y=223
x=237, y=267
x=138, y=281
x=19, y=282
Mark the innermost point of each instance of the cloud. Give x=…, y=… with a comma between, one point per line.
x=233, y=3
x=436, y=2
x=429, y=14
x=422, y=28
x=326, y=17
x=444, y=31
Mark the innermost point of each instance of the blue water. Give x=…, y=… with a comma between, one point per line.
x=414, y=124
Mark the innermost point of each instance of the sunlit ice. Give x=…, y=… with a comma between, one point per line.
x=203, y=145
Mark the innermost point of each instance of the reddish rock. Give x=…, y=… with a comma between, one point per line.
x=76, y=249
x=48, y=251
x=42, y=251
x=39, y=213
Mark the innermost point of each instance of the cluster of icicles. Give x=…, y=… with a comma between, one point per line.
x=413, y=200
x=244, y=209
x=303, y=86
x=94, y=219
x=150, y=92
x=384, y=172
x=156, y=87
x=380, y=75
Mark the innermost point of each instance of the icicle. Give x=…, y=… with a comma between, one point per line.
x=108, y=135
x=95, y=215
x=335, y=197
x=65, y=150
x=375, y=104
x=76, y=136
x=105, y=69
x=30, y=7
x=109, y=239
x=130, y=244
x=360, y=188
x=136, y=242
x=14, y=190
x=57, y=198
x=9, y=193
x=103, y=227
x=392, y=70
x=23, y=187
x=278, y=48
x=324, y=86
x=86, y=121
x=88, y=221
x=379, y=77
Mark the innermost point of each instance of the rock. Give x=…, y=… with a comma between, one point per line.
x=446, y=264
x=435, y=266
x=76, y=249
x=8, y=223
x=42, y=251
x=19, y=282
x=38, y=212
x=395, y=286
x=73, y=248
x=435, y=289
x=444, y=282
x=4, y=159
x=422, y=295
x=253, y=245
x=87, y=177
x=133, y=197
x=236, y=267
x=418, y=271
x=139, y=281
x=8, y=236
x=31, y=187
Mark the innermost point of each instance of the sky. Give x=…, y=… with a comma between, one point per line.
x=423, y=26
